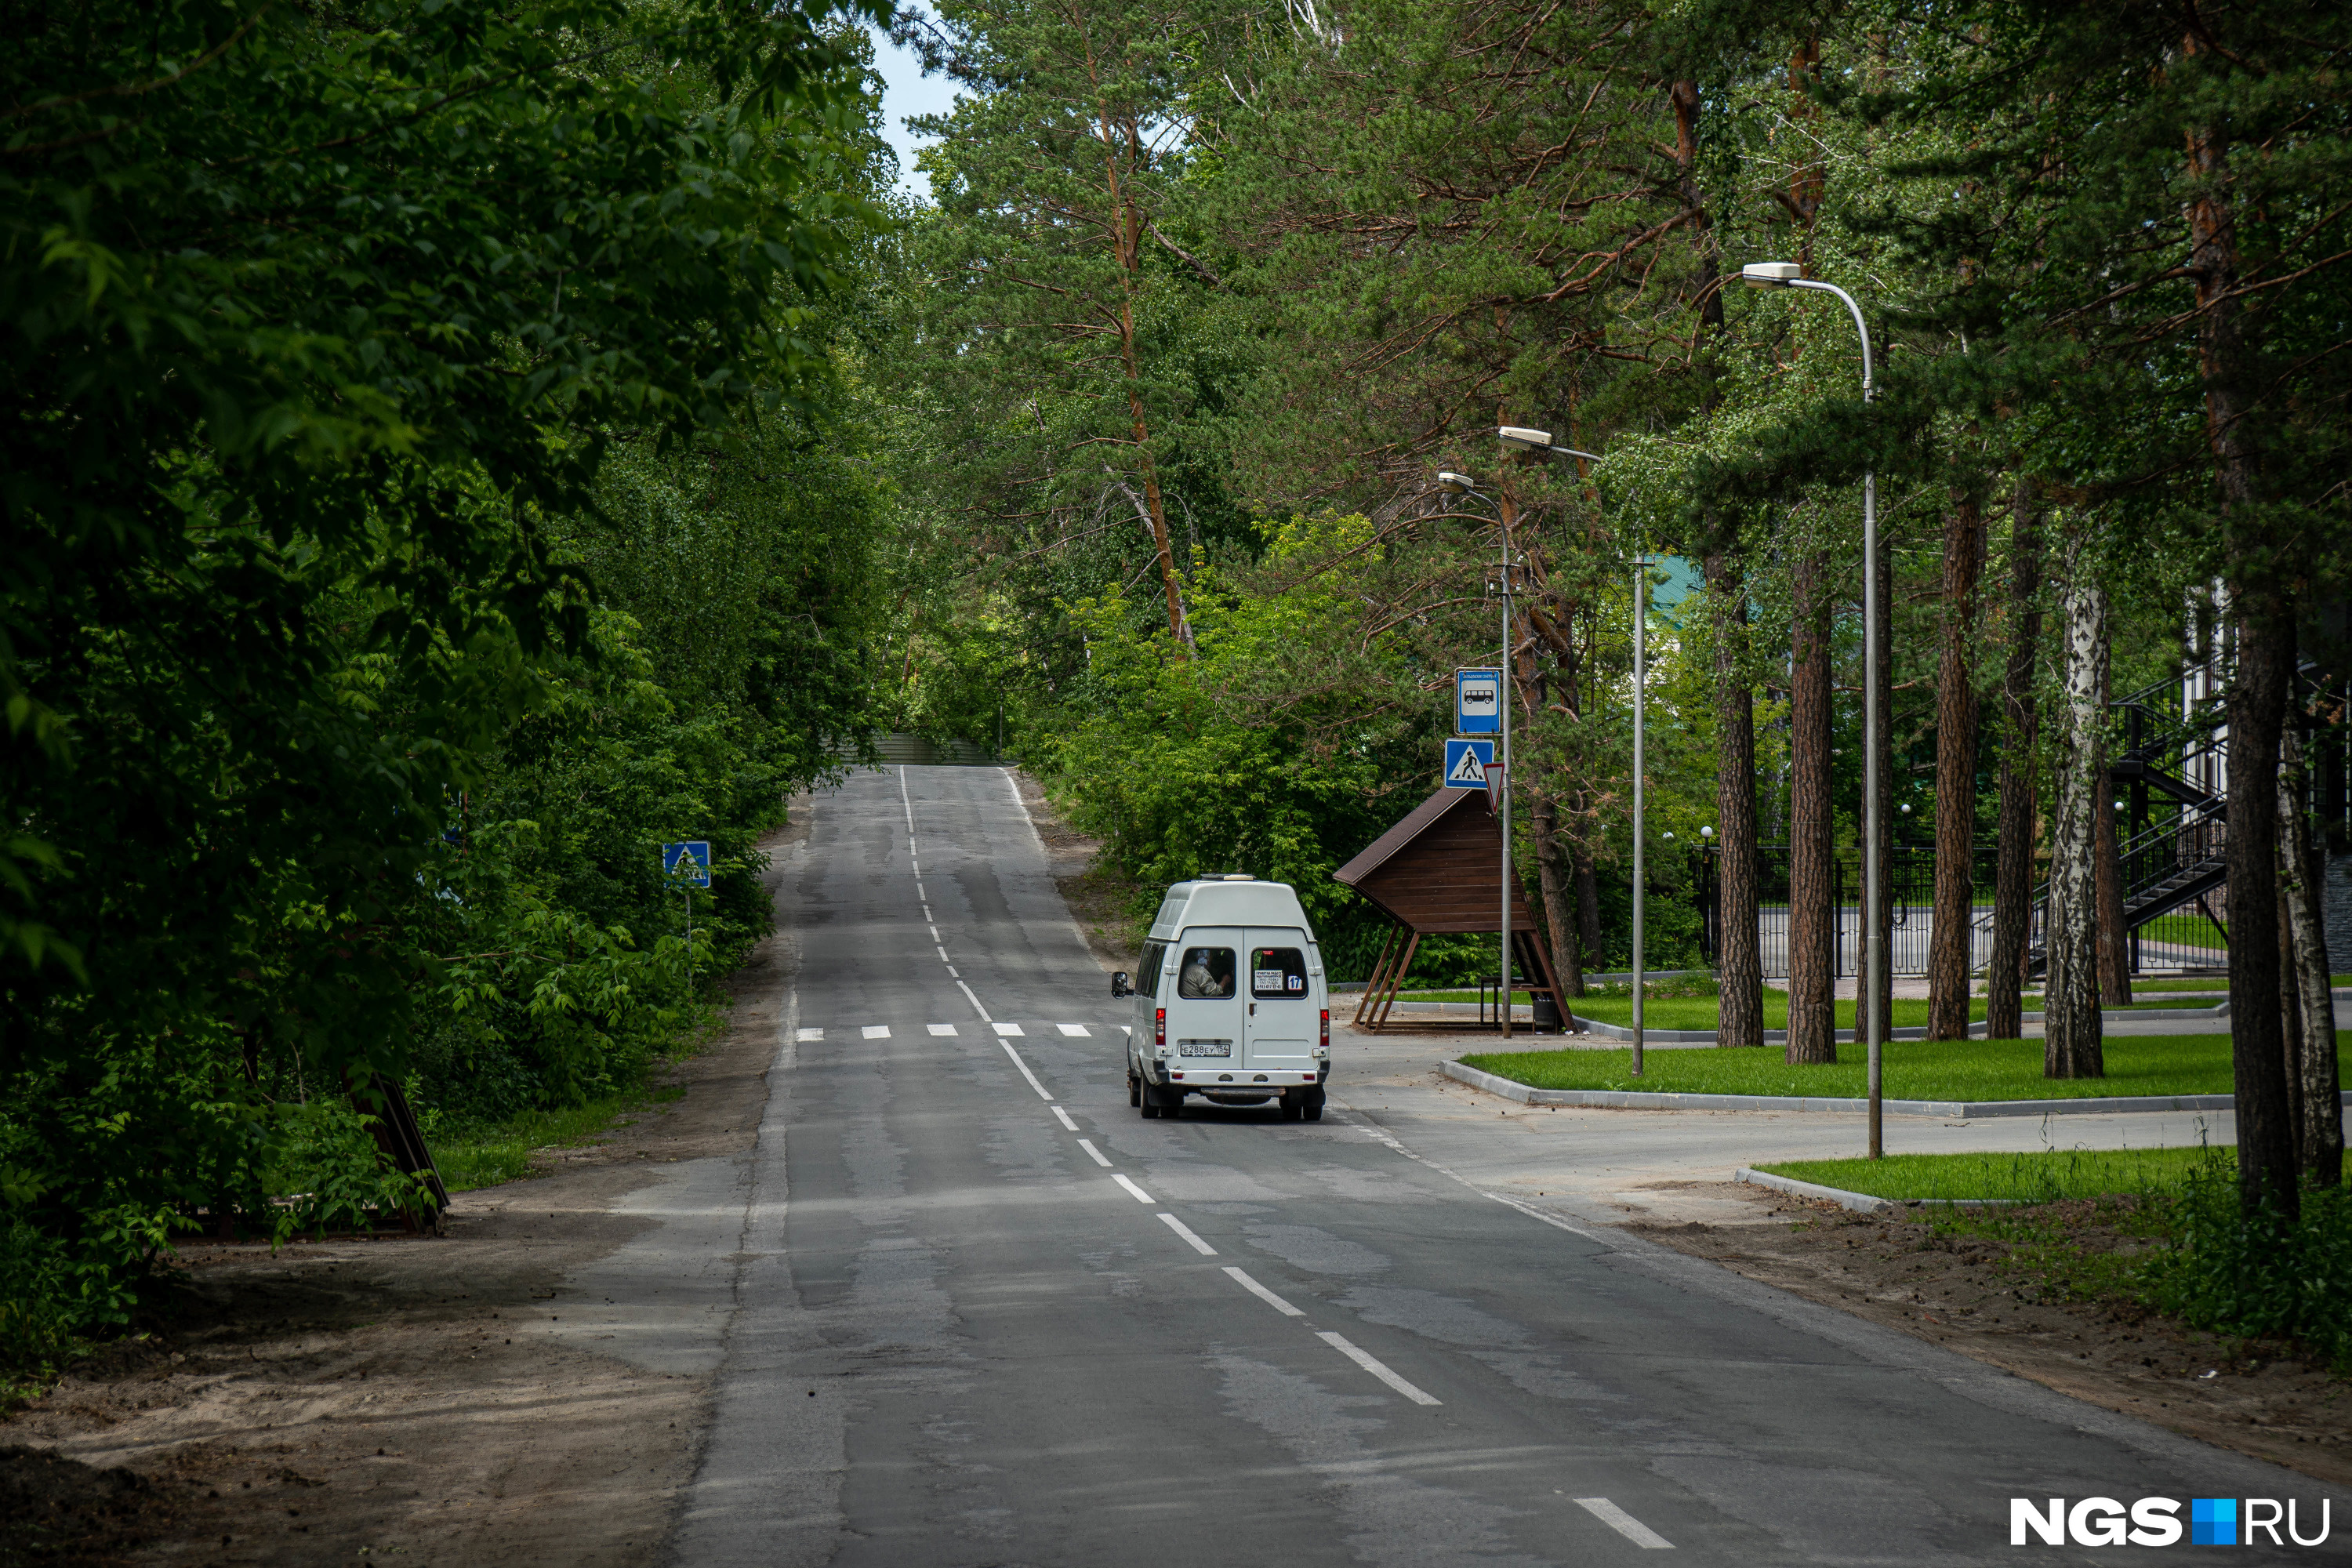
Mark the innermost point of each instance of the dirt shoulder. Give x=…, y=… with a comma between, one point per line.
x=1098, y=896
x=1969, y=1294
x=403, y=1397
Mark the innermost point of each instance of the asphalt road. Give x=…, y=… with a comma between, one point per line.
x=975, y=1318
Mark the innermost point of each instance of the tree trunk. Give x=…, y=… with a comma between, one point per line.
x=2071, y=1036
x=2258, y=688
x=1555, y=878
x=1956, y=780
x=1812, y=909
x=1739, y=964
x=2257, y=703
x=2115, y=941
x=2012, y=898
x=1588, y=911
x=2319, y=1145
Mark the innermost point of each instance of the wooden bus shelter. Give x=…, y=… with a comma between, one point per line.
x=1440, y=871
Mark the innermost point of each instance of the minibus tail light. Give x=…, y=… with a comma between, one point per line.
x=1327, y=1029
x=1160, y=1025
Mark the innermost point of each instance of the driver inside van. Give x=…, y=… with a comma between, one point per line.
x=1207, y=974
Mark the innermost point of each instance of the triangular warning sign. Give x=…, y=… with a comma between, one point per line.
x=1466, y=771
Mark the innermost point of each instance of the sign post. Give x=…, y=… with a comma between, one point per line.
x=688, y=861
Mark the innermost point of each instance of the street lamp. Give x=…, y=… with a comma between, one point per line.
x=1789, y=275
x=1521, y=439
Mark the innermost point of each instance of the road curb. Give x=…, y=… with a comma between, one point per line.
x=1861, y=1203
x=1960, y=1110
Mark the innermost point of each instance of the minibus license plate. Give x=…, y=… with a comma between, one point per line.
x=1204, y=1048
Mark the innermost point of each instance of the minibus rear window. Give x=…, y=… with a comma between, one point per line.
x=1278, y=972
x=1147, y=969
x=1206, y=975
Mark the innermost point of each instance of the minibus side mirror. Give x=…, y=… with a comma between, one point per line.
x=1119, y=986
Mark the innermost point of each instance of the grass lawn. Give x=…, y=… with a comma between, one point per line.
x=2044, y=1176
x=2188, y=931
x=478, y=1156
x=1916, y=1069
x=1702, y=1011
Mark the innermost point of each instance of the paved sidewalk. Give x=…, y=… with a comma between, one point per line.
x=1667, y=1166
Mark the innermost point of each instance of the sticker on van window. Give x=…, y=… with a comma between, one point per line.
x=1204, y=1048
x=1277, y=972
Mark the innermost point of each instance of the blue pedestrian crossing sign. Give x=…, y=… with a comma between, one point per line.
x=1477, y=701
x=1466, y=763
x=689, y=859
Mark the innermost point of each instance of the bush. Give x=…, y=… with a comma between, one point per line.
x=2262, y=1276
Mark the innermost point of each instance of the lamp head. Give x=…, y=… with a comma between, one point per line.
x=1520, y=438
x=1707, y=833
x=1772, y=274
x=1456, y=484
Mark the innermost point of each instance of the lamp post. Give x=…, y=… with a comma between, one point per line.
x=1789, y=275
x=1462, y=484
x=1521, y=439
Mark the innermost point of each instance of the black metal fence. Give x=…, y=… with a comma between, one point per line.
x=1910, y=893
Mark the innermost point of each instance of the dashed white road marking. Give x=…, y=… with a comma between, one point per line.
x=1010, y=1030
x=1138, y=1193
x=1265, y=1295
x=1075, y=1031
x=878, y=1031
x=942, y=952
x=808, y=1034
x=1065, y=1118
x=1024, y=1069
x=968, y=995
x=1181, y=1228
x=1371, y=1364
x=1088, y=1145
x=940, y=1029
x=919, y=894
x=1623, y=1523
x=1127, y=1028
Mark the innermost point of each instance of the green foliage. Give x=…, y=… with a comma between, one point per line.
x=420, y=502
x=2260, y=1274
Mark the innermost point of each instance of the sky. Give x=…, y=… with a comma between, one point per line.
x=905, y=92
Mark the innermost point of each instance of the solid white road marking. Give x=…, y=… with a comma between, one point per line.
x=1011, y=1031
x=1140, y=1196
x=1127, y=1028
x=1088, y=1145
x=1265, y=1295
x=1065, y=1118
x=940, y=1029
x=812, y=1033
x=1365, y=1360
x=878, y=1031
x=1181, y=1228
x=1623, y=1523
x=1024, y=1069
x=969, y=996
x=1075, y=1031
x=909, y=804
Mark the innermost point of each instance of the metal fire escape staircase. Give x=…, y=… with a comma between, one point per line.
x=2169, y=865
